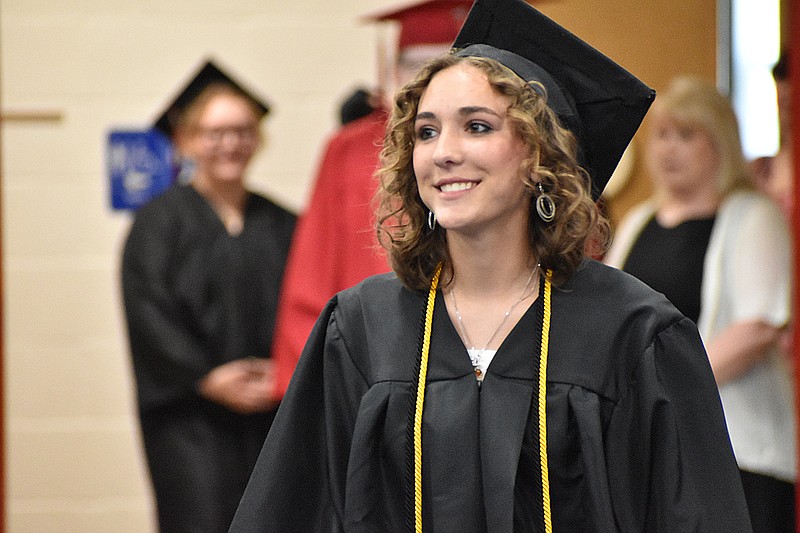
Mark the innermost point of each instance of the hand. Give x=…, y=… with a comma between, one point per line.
x=737, y=348
x=244, y=386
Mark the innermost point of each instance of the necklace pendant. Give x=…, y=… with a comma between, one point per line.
x=478, y=371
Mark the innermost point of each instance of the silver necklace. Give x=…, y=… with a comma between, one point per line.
x=475, y=356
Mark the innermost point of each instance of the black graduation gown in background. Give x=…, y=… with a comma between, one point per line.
x=636, y=435
x=195, y=298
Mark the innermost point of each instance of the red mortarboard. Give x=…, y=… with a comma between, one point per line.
x=426, y=21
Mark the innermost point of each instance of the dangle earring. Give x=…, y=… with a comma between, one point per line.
x=545, y=205
x=431, y=220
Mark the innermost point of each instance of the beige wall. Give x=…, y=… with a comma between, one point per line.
x=73, y=457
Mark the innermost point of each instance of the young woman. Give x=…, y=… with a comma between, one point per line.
x=498, y=381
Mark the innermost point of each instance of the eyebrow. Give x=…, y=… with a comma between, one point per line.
x=464, y=111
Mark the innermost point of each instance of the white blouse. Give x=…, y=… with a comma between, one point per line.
x=746, y=276
x=480, y=360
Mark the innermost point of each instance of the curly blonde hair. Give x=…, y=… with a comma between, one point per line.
x=415, y=251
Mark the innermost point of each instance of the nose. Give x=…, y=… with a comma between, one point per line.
x=448, y=148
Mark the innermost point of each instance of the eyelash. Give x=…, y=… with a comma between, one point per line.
x=426, y=132
x=479, y=127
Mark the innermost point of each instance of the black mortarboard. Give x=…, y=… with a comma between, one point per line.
x=207, y=75
x=597, y=100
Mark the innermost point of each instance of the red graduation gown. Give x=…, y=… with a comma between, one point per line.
x=334, y=246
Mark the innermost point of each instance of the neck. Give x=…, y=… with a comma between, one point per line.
x=489, y=266
x=675, y=208
x=227, y=199
x=231, y=195
x=489, y=293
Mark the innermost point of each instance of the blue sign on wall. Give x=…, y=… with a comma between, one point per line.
x=140, y=166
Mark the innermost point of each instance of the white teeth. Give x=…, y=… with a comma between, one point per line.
x=458, y=186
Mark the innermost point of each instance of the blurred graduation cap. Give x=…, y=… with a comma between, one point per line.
x=597, y=100
x=208, y=74
x=425, y=21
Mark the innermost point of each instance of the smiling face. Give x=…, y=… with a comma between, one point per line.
x=467, y=155
x=223, y=140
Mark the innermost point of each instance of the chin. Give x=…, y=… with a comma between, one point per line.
x=454, y=225
x=223, y=178
x=233, y=173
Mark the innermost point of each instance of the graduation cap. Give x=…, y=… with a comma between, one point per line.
x=597, y=100
x=425, y=21
x=208, y=74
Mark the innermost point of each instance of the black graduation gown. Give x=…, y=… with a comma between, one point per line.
x=195, y=298
x=636, y=434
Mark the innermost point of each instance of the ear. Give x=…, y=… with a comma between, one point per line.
x=530, y=180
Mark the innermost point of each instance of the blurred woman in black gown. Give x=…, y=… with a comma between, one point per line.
x=200, y=274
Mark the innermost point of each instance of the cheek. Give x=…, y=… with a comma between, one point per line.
x=247, y=152
x=419, y=162
x=192, y=148
x=709, y=150
x=701, y=152
x=509, y=161
x=658, y=145
x=709, y=160
x=654, y=154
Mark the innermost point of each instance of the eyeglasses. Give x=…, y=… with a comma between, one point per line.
x=247, y=133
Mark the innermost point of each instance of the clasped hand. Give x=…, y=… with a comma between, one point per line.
x=244, y=386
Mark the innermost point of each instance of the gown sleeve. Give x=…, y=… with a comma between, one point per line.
x=671, y=465
x=168, y=358
x=297, y=484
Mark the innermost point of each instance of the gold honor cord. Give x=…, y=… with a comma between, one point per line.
x=548, y=520
x=423, y=372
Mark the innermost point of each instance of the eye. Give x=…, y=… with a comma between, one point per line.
x=687, y=134
x=479, y=127
x=425, y=132
x=213, y=134
x=662, y=133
